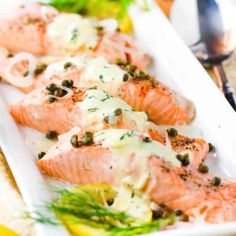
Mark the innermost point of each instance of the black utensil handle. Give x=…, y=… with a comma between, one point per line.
x=226, y=86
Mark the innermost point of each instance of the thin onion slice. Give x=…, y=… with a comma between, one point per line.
x=23, y=81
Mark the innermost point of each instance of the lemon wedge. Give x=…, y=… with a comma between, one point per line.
x=4, y=231
x=102, y=193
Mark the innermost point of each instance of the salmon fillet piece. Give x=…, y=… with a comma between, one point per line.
x=176, y=187
x=163, y=105
x=27, y=27
x=36, y=111
x=23, y=29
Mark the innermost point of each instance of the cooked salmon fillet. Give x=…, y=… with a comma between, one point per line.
x=23, y=28
x=91, y=109
x=94, y=110
x=162, y=104
x=40, y=30
x=167, y=183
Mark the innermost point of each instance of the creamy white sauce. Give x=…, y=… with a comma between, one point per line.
x=133, y=202
x=72, y=32
x=97, y=104
x=94, y=71
x=132, y=152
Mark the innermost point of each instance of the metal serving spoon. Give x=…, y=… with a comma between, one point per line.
x=209, y=28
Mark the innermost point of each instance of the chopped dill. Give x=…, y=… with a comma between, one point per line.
x=101, y=78
x=93, y=109
x=127, y=134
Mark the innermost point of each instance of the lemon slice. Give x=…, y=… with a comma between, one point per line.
x=82, y=228
x=102, y=193
x=133, y=203
x=4, y=231
x=125, y=24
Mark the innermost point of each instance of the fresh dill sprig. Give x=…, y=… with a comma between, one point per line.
x=40, y=218
x=81, y=206
x=143, y=228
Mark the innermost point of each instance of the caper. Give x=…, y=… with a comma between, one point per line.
x=74, y=141
x=157, y=214
x=211, y=147
x=178, y=212
x=147, y=140
x=131, y=68
x=172, y=132
x=125, y=77
x=142, y=76
x=184, y=218
x=26, y=73
x=67, y=65
x=88, y=138
x=40, y=69
x=118, y=112
x=216, y=181
x=59, y=92
x=52, y=99
x=110, y=201
x=203, y=169
x=184, y=159
x=67, y=83
x=51, y=87
x=106, y=119
x=51, y=134
x=41, y=155
x=121, y=62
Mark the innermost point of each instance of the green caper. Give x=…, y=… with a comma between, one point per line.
x=51, y=134
x=157, y=214
x=211, y=147
x=184, y=159
x=41, y=155
x=51, y=87
x=142, y=76
x=216, y=181
x=125, y=77
x=67, y=83
x=121, y=62
x=74, y=141
x=184, y=218
x=88, y=138
x=147, y=140
x=41, y=68
x=67, y=65
x=51, y=99
x=26, y=73
x=178, y=212
x=106, y=119
x=172, y=132
x=203, y=169
x=118, y=112
x=59, y=92
x=131, y=68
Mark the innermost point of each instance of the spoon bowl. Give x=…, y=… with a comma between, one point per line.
x=209, y=29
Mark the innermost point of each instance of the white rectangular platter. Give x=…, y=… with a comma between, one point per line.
x=173, y=64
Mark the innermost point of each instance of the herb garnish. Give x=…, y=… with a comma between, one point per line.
x=127, y=134
x=101, y=78
x=93, y=109
x=80, y=205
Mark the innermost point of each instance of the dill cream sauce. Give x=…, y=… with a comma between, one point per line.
x=98, y=105
x=70, y=32
x=131, y=150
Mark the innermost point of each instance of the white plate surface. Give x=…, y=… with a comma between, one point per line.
x=175, y=65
